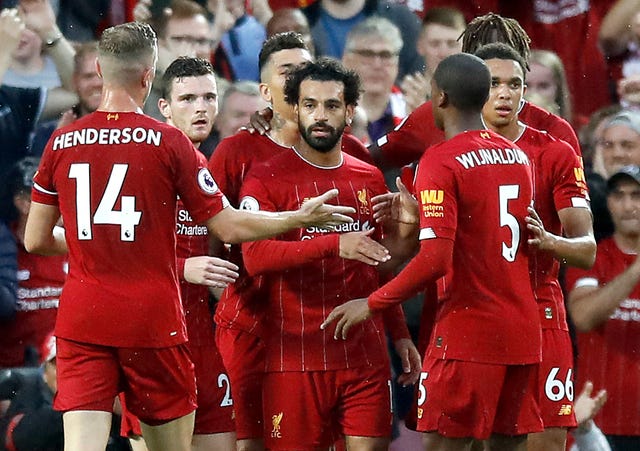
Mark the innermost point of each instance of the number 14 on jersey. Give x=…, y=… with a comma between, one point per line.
x=127, y=217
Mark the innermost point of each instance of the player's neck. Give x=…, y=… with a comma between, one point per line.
x=627, y=243
x=511, y=131
x=120, y=99
x=329, y=159
x=283, y=131
x=461, y=122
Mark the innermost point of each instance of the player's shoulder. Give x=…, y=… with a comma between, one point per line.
x=244, y=142
x=542, y=119
x=545, y=142
x=278, y=165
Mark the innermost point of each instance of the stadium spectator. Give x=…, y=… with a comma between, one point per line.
x=621, y=141
x=40, y=279
x=441, y=28
x=239, y=101
x=371, y=49
x=88, y=86
x=331, y=20
x=31, y=423
x=603, y=304
x=547, y=80
x=240, y=44
x=183, y=29
x=291, y=19
x=23, y=107
x=619, y=39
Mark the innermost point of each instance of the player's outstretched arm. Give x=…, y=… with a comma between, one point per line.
x=41, y=235
x=265, y=256
x=578, y=248
x=432, y=262
x=236, y=226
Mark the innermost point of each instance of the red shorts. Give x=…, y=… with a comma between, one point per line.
x=460, y=399
x=129, y=425
x=159, y=384
x=556, y=389
x=311, y=409
x=214, y=414
x=244, y=358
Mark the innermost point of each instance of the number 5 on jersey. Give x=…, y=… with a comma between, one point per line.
x=127, y=217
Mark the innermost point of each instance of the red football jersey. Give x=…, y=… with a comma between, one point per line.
x=303, y=290
x=116, y=178
x=40, y=281
x=475, y=189
x=559, y=183
x=408, y=141
x=240, y=305
x=192, y=240
x=608, y=355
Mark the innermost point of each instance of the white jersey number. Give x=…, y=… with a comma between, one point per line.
x=127, y=217
x=223, y=382
x=555, y=389
x=506, y=193
x=422, y=390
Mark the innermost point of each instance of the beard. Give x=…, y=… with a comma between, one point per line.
x=322, y=144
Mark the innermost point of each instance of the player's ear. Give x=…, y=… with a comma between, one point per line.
x=98, y=68
x=350, y=112
x=165, y=108
x=442, y=99
x=147, y=76
x=265, y=92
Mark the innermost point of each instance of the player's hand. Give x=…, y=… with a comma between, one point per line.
x=540, y=238
x=210, y=271
x=411, y=361
x=260, y=121
x=11, y=26
x=346, y=316
x=399, y=207
x=359, y=246
x=587, y=407
x=316, y=212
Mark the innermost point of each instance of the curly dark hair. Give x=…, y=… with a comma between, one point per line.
x=493, y=27
x=323, y=69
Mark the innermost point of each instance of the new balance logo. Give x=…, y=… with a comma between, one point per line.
x=565, y=409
